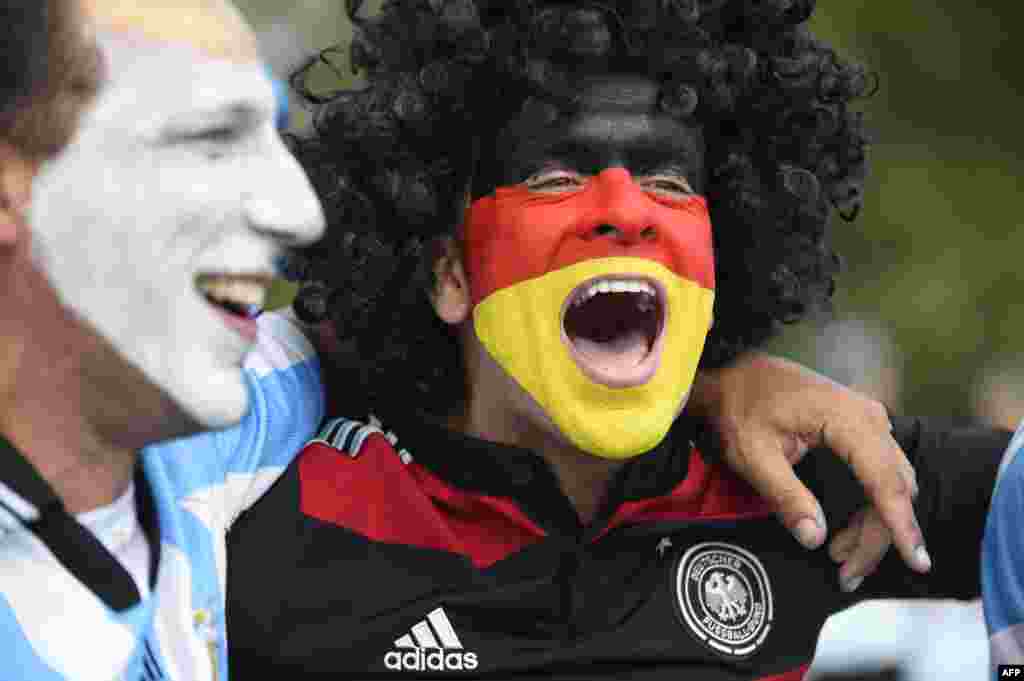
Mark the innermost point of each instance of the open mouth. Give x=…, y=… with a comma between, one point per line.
x=613, y=327
x=238, y=296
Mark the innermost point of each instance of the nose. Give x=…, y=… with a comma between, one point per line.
x=649, y=233
x=284, y=206
x=624, y=213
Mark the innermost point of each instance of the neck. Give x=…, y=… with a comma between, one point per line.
x=45, y=403
x=583, y=477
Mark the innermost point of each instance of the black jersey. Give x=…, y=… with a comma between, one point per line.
x=422, y=553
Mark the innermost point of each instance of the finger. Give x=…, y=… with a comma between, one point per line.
x=845, y=541
x=873, y=544
x=766, y=468
x=888, y=480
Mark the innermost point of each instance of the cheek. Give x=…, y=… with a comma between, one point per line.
x=546, y=228
x=536, y=232
x=507, y=242
x=104, y=236
x=685, y=237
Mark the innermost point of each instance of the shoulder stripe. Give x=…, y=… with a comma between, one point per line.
x=328, y=430
x=343, y=438
x=349, y=436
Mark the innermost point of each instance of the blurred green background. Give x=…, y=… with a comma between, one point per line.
x=931, y=297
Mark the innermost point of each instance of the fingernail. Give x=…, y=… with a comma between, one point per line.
x=911, y=478
x=809, y=533
x=852, y=584
x=820, y=519
x=923, y=560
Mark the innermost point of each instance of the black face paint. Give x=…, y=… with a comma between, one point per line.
x=616, y=121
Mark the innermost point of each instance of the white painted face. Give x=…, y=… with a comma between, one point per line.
x=176, y=188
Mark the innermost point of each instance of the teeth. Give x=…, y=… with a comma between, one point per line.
x=618, y=286
x=225, y=289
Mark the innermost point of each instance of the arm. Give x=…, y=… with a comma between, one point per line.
x=765, y=413
x=1002, y=572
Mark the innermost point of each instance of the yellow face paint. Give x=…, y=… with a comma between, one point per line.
x=521, y=328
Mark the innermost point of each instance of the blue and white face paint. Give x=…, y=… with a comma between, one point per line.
x=160, y=224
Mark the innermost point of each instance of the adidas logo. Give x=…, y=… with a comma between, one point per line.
x=431, y=645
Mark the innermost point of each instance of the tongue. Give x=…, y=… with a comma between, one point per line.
x=625, y=350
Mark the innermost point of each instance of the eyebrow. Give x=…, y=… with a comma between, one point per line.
x=650, y=157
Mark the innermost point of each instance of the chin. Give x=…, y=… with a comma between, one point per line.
x=219, y=401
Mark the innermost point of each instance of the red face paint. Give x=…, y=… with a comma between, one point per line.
x=519, y=234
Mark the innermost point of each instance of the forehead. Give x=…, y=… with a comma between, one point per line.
x=162, y=63
x=617, y=92
x=614, y=119
x=214, y=28
x=622, y=110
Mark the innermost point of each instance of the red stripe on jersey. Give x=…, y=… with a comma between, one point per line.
x=405, y=504
x=792, y=675
x=707, y=493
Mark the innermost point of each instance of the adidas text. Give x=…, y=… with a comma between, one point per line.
x=430, y=659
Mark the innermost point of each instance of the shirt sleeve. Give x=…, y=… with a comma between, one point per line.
x=1002, y=559
x=286, y=405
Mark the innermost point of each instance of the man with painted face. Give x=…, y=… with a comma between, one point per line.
x=648, y=189
x=136, y=246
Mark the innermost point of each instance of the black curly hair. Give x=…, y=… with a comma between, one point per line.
x=391, y=161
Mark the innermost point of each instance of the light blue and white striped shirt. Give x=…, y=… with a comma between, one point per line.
x=53, y=628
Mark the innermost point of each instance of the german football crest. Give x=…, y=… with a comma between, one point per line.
x=724, y=598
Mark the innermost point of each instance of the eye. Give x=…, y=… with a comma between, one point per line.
x=209, y=137
x=554, y=181
x=214, y=142
x=217, y=135
x=672, y=185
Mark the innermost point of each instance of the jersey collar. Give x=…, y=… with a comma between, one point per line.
x=31, y=501
x=489, y=468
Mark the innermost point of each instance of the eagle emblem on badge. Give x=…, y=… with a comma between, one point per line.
x=724, y=598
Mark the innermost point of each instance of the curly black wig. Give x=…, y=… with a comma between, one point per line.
x=391, y=161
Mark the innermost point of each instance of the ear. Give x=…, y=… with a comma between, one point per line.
x=450, y=296
x=16, y=173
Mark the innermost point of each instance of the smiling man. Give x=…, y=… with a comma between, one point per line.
x=132, y=273
x=544, y=217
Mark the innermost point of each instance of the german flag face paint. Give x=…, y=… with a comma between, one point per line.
x=597, y=301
